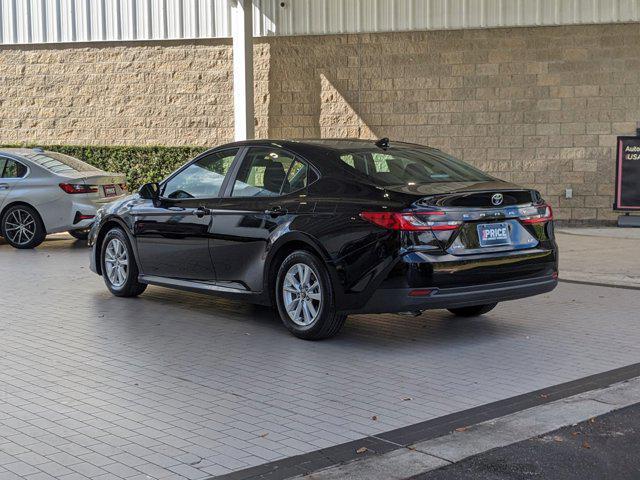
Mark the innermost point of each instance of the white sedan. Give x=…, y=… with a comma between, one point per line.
x=44, y=192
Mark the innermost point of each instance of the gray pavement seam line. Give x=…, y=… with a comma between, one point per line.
x=507, y=430
x=412, y=434
x=597, y=284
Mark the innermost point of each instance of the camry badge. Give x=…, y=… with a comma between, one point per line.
x=497, y=199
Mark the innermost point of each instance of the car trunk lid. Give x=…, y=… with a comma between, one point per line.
x=109, y=186
x=477, y=218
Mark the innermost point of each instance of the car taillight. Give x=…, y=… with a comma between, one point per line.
x=539, y=214
x=78, y=188
x=79, y=217
x=411, y=222
x=420, y=292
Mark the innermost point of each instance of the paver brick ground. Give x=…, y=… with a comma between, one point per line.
x=176, y=385
x=601, y=255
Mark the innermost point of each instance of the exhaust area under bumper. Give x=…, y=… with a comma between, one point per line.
x=405, y=299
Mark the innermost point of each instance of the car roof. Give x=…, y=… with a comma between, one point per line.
x=24, y=151
x=338, y=144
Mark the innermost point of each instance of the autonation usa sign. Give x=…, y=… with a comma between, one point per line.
x=628, y=174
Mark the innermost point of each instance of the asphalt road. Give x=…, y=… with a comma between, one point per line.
x=606, y=447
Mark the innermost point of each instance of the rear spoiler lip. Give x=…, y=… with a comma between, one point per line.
x=429, y=201
x=428, y=189
x=106, y=178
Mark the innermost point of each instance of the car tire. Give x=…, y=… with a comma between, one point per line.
x=22, y=227
x=473, y=311
x=118, y=264
x=304, y=297
x=80, y=234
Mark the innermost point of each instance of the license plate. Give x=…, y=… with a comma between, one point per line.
x=492, y=234
x=110, y=191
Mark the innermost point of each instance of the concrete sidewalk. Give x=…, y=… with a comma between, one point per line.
x=600, y=255
x=469, y=441
x=601, y=447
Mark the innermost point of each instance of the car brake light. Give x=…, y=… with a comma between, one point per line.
x=531, y=215
x=74, y=188
x=420, y=292
x=79, y=217
x=411, y=222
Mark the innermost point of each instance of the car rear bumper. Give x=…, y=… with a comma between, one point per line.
x=80, y=211
x=401, y=300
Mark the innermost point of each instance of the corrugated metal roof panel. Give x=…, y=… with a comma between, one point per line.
x=300, y=17
x=45, y=21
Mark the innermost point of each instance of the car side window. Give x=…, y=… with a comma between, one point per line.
x=297, y=177
x=268, y=172
x=357, y=162
x=2, y=162
x=382, y=162
x=201, y=179
x=13, y=169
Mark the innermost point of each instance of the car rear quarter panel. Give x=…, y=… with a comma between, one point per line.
x=44, y=196
x=363, y=257
x=356, y=252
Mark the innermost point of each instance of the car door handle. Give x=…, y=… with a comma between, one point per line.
x=201, y=212
x=4, y=186
x=276, y=211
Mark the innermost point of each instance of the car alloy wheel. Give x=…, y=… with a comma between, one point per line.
x=302, y=294
x=20, y=227
x=304, y=297
x=116, y=262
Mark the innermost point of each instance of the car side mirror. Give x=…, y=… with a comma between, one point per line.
x=150, y=191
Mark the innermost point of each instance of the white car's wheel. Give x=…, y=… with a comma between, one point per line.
x=22, y=227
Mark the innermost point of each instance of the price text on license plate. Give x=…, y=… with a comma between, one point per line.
x=491, y=234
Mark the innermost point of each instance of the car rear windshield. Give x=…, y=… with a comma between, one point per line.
x=60, y=163
x=409, y=166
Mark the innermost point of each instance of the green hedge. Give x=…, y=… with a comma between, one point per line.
x=140, y=164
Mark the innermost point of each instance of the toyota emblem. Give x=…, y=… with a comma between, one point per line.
x=497, y=199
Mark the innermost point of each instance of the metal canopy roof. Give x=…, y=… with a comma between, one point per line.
x=58, y=21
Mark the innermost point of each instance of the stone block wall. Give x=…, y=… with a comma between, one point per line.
x=124, y=94
x=538, y=106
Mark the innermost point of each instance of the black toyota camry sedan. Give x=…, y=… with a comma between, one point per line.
x=320, y=229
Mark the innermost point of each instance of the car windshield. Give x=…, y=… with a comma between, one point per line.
x=60, y=163
x=411, y=166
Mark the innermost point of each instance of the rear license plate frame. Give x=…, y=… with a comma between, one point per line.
x=109, y=190
x=497, y=239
